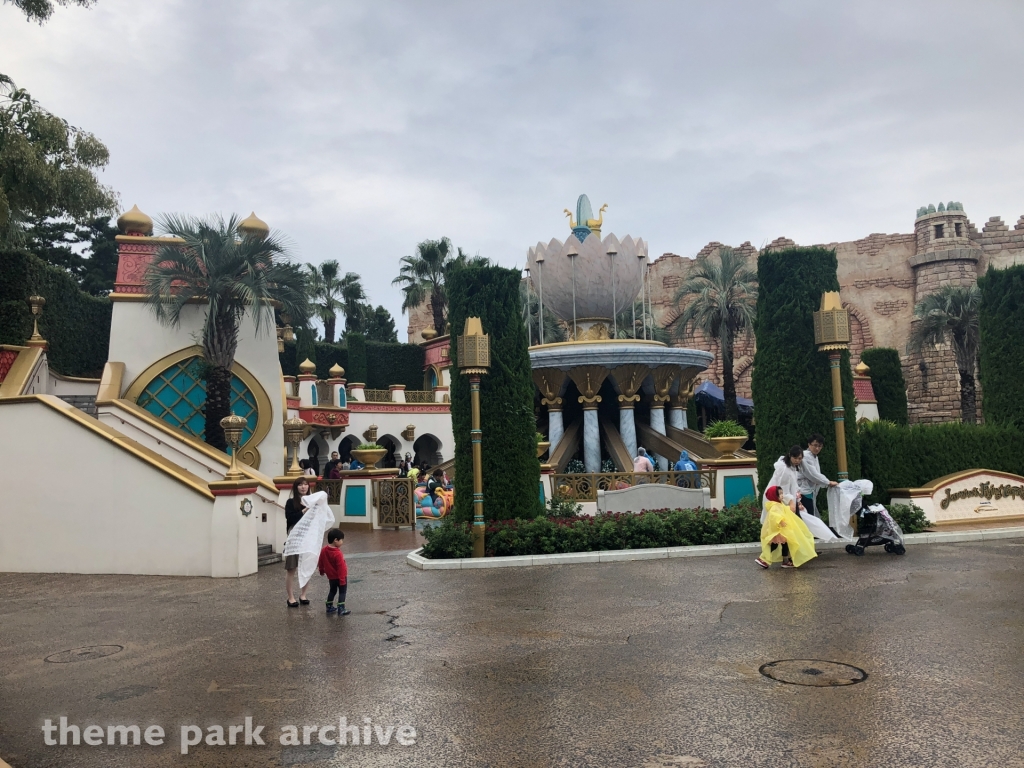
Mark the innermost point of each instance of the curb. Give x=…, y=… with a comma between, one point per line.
x=416, y=560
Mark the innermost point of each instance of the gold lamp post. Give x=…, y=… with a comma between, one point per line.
x=832, y=335
x=474, y=360
x=294, y=431
x=233, y=426
x=36, y=303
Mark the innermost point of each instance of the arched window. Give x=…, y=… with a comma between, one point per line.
x=177, y=395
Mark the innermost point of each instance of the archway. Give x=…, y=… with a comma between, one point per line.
x=393, y=446
x=345, y=447
x=427, y=449
x=317, y=452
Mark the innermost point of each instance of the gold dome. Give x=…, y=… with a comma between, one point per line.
x=428, y=333
x=336, y=371
x=307, y=366
x=135, y=222
x=254, y=226
x=861, y=369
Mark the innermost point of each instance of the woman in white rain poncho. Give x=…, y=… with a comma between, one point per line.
x=307, y=537
x=786, y=478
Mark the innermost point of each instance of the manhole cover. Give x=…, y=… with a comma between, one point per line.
x=84, y=654
x=824, y=674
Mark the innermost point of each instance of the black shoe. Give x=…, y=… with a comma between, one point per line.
x=293, y=605
x=303, y=602
x=344, y=612
x=331, y=608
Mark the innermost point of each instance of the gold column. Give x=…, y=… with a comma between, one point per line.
x=474, y=352
x=832, y=335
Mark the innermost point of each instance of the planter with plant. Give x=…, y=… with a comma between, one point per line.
x=542, y=445
x=369, y=453
x=727, y=436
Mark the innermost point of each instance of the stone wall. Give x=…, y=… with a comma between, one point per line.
x=881, y=278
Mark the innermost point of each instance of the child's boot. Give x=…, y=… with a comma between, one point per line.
x=330, y=608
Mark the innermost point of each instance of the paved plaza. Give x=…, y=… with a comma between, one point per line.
x=645, y=664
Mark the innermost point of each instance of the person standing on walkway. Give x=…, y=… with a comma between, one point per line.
x=332, y=565
x=642, y=462
x=809, y=477
x=294, y=509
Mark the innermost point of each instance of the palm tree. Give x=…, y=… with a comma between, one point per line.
x=953, y=310
x=324, y=288
x=631, y=322
x=554, y=330
x=352, y=296
x=425, y=276
x=232, y=274
x=721, y=300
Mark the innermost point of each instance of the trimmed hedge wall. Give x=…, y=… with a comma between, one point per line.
x=1001, y=320
x=76, y=324
x=894, y=456
x=792, y=380
x=887, y=381
x=511, y=469
x=387, y=363
x=357, y=370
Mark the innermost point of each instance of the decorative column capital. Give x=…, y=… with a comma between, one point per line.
x=588, y=379
x=629, y=378
x=554, y=404
x=627, y=402
x=590, y=403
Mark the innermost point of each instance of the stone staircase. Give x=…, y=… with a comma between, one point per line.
x=86, y=403
x=267, y=556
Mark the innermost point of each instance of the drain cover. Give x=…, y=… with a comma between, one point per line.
x=84, y=654
x=824, y=674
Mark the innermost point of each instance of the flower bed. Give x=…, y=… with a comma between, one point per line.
x=620, y=530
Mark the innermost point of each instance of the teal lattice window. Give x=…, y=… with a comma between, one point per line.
x=178, y=396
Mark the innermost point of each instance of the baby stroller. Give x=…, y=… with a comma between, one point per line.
x=875, y=527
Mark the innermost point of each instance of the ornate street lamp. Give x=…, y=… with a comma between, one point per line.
x=36, y=304
x=832, y=335
x=612, y=251
x=233, y=426
x=474, y=359
x=294, y=431
x=572, y=253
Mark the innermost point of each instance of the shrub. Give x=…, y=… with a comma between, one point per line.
x=1001, y=323
x=792, y=380
x=305, y=346
x=511, y=469
x=392, y=363
x=887, y=382
x=544, y=535
x=356, y=344
x=725, y=428
x=561, y=507
x=910, y=518
x=575, y=467
x=76, y=325
x=368, y=447
x=895, y=456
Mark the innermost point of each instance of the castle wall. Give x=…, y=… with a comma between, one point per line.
x=881, y=278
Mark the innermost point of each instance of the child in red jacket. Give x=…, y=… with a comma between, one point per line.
x=332, y=565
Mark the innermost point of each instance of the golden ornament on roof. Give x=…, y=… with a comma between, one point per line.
x=135, y=222
x=254, y=226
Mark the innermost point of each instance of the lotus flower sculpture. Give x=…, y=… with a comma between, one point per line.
x=598, y=265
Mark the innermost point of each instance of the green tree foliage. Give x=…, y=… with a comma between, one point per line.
x=951, y=314
x=719, y=299
x=554, y=330
x=425, y=277
x=887, y=382
x=47, y=167
x=1001, y=328
x=378, y=324
x=55, y=241
x=234, y=275
x=792, y=380
x=305, y=346
x=896, y=456
x=76, y=325
x=324, y=289
x=42, y=10
x=511, y=470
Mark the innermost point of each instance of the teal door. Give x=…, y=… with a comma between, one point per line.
x=355, y=501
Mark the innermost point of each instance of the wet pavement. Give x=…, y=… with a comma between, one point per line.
x=653, y=664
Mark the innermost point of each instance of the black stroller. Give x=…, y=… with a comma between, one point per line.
x=876, y=527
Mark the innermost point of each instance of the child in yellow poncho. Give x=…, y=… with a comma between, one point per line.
x=782, y=526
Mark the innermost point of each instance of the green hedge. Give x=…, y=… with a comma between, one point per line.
x=887, y=382
x=391, y=363
x=305, y=346
x=543, y=535
x=1001, y=321
x=792, y=380
x=357, y=370
x=511, y=470
x=76, y=325
x=894, y=456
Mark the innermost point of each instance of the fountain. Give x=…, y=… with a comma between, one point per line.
x=609, y=373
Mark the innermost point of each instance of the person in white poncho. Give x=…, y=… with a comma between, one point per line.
x=307, y=537
x=787, y=477
x=809, y=477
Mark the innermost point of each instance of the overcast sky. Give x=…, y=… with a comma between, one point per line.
x=360, y=129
